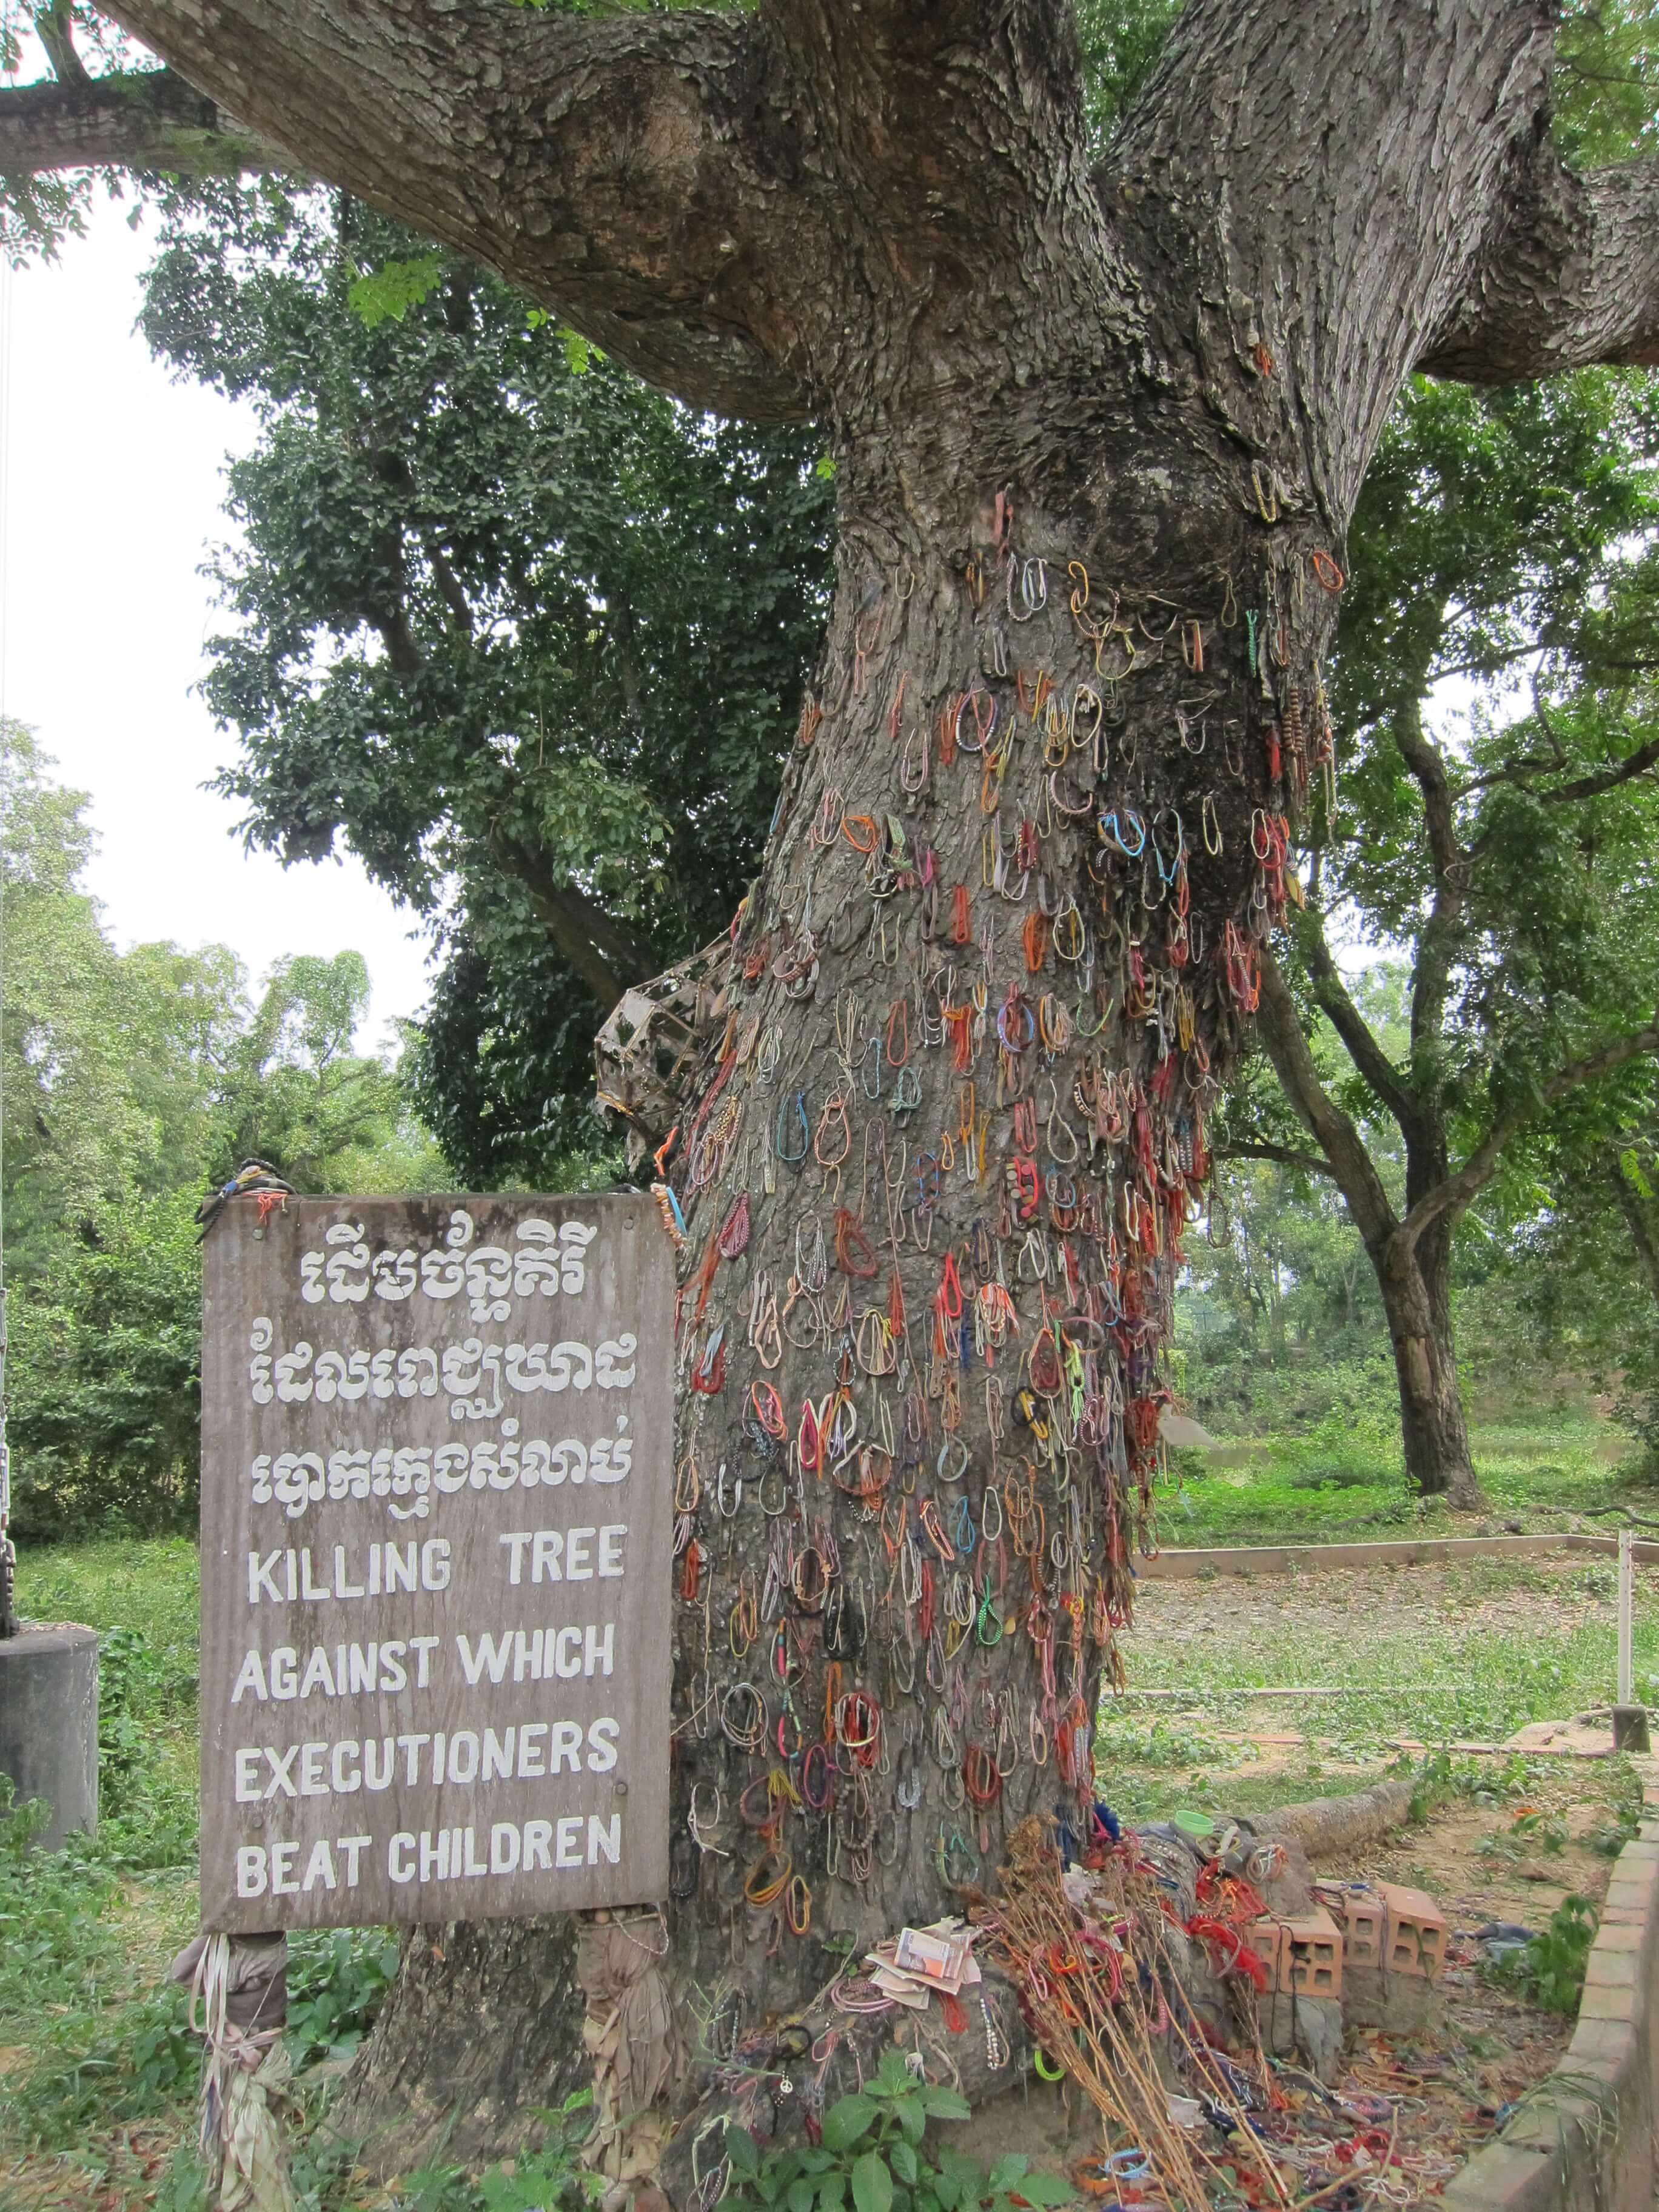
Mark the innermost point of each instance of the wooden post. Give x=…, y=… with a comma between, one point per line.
x=1630, y=1720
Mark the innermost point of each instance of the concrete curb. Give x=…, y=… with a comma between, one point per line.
x=1308, y=1558
x=1584, y=2140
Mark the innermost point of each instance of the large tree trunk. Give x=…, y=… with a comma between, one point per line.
x=1416, y=1297
x=949, y=1133
x=1098, y=434
x=1413, y=1272
x=483, y=2031
x=1416, y=1282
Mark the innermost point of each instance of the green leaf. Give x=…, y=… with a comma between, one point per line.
x=872, y=2185
x=825, y=467
x=740, y=2150
x=802, y=2192
x=1047, y=2188
x=892, y=2076
x=388, y=293
x=904, y=2162
x=845, y=2120
x=1008, y=2170
x=947, y=2104
x=580, y=353
x=832, y=2189
x=912, y=2117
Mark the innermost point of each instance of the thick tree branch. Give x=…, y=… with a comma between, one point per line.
x=1456, y=1192
x=1350, y=1165
x=1572, y=278
x=131, y=119
x=1582, y=787
x=603, y=952
x=1636, y=1220
x=1285, y=1155
x=1437, y=947
x=599, y=164
x=1369, y=163
x=54, y=26
x=1332, y=996
x=1001, y=81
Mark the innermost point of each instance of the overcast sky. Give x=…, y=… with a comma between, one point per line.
x=113, y=497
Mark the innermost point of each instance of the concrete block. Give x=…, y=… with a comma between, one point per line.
x=1505, y=2180
x=49, y=1724
x=1600, y=2043
x=1628, y=1895
x=1622, y=1936
x=1399, y=2004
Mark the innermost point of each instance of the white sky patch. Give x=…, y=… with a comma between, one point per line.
x=113, y=497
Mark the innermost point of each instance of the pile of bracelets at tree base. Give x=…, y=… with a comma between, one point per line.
x=940, y=1131
x=1147, y=1973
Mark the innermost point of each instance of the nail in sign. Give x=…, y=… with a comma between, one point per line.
x=436, y=1556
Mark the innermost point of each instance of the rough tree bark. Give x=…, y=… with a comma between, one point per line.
x=1097, y=436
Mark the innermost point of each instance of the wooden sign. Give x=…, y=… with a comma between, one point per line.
x=436, y=1558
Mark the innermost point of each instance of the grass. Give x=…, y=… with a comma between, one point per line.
x=1344, y=1481
x=98, y=2070
x=1495, y=1662
x=98, y=2075
x=1440, y=1655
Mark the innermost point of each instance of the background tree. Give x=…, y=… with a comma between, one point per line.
x=526, y=636
x=1580, y=1271
x=1497, y=535
x=132, y=1080
x=1099, y=419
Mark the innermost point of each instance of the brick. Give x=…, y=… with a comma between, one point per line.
x=1417, y=1931
x=1264, y=1938
x=1361, y=1917
x=1601, y=2003
x=1621, y=1936
x=1610, y=1969
x=1312, y=1954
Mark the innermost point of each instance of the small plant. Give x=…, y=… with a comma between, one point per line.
x=1549, y=1971
x=1609, y=1837
x=871, y=2160
x=548, y=2179
x=335, y=1983
x=1528, y=1830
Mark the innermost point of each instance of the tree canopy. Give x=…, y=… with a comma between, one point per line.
x=526, y=635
